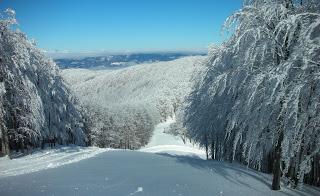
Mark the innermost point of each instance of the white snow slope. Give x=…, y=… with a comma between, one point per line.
x=174, y=169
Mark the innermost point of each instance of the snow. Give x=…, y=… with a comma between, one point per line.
x=125, y=172
x=173, y=168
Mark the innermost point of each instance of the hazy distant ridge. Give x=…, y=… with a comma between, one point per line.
x=118, y=60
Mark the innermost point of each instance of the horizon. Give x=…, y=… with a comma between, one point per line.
x=85, y=54
x=122, y=26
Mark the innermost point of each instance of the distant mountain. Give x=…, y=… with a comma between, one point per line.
x=119, y=60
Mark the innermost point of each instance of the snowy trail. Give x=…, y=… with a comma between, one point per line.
x=162, y=142
x=137, y=173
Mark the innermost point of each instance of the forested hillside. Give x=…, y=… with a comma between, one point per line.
x=123, y=106
x=36, y=107
x=257, y=101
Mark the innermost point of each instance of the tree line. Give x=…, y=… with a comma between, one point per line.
x=257, y=100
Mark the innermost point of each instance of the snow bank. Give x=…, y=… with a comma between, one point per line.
x=45, y=159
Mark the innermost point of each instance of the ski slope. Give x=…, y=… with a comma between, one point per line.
x=125, y=173
x=165, y=167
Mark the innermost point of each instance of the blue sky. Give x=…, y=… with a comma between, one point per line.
x=122, y=25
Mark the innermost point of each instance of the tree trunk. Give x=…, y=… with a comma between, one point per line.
x=277, y=164
x=4, y=140
x=206, y=145
x=213, y=152
x=4, y=144
x=316, y=170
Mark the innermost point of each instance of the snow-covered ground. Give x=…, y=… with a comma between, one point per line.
x=173, y=168
x=125, y=173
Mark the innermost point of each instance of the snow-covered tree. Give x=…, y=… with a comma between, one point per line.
x=256, y=102
x=36, y=106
